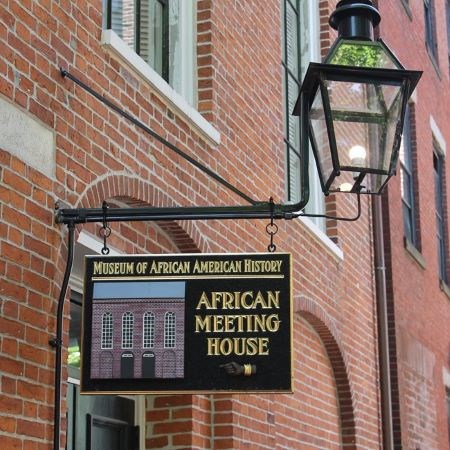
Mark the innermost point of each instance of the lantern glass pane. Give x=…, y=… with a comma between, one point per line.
x=364, y=120
x=343, y=183
x=320, y=140
x=368, y=54
x=374, y=182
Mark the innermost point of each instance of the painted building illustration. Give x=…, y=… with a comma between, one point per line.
x=138, y=336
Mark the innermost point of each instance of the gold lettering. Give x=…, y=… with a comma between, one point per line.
x=203, y=324
x=238, y=346
x=213, y=346
x=273, y=299
x=263, y=347
x=244, y=296
x=113, y=268
x=204, y=301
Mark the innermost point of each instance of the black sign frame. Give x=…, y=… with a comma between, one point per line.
x=187, y=323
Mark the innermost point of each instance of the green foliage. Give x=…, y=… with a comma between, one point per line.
x=74, y=357
x=359, y=55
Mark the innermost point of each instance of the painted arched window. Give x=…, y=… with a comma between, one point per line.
x=107, y=331
x=169, y=330
x=148, y=330
x=127, y=330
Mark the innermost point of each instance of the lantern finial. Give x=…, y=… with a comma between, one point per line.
x=355, y=19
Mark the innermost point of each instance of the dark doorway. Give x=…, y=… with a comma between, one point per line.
x=127, y=365
x=148, y=365
x=100, y=422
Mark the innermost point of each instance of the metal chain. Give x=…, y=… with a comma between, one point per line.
x=104, y=231
x=271, y=228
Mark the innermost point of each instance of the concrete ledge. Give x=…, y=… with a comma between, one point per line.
x=25, y=137
x=414, y=253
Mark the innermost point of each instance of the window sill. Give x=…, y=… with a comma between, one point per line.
x=112, y=42
x=434, y=61
x=414, y=253
x=444, y=288
x=407, y=9
x=319, y=236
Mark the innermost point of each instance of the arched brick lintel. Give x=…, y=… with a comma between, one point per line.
x=317, y=317
x=135, y=192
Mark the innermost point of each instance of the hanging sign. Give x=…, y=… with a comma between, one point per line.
x=197, y=323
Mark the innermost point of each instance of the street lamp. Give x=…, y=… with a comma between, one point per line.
x=356, y=104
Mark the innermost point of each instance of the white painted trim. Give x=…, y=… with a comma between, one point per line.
x=73, y=380
x=319, y=236
x=94, y=243
x=314, y=31
x=139, y=418
x=438, y=136
x=111, y=41
x=413, y=97
x=446, y=377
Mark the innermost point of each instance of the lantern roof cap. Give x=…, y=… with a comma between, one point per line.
x=355, y=19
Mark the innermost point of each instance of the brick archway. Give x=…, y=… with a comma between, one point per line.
x=135, y=192
x=324, y=327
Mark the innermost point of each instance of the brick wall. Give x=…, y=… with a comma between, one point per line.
x=99, y=155
x=419, y=308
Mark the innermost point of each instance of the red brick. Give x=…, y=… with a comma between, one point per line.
x=11, y=405
x=31, y=428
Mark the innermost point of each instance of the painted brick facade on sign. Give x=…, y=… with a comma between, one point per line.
x=99, y=155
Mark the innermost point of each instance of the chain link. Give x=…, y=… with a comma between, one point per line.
x=105, y=231
x=271, y=229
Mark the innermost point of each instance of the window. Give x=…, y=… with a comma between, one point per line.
x=439, y=183
x=408, y=183
x=430, y=28
x=448, y=31
x=149, y=330
x=299, y=36
x=448, y=412
x=129, y=411
x=107, y=331
x=162, y=33
x=74, y=355
x=169, y=330
x=127, y=330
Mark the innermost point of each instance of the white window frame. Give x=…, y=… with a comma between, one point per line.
x=148, y=330
x=170, y=329
x=316, y=204
x=107, y=337
x=182, y=102
x=92, y=245
x=127, y=330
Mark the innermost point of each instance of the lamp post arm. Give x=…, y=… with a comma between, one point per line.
x=255, y=209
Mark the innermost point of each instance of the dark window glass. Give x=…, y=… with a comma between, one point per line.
x=407, y=178
x=291, y=74
x=439, y=183
x=448, y=413
x=448, y=31
x=430, y=27
x=144, y=26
